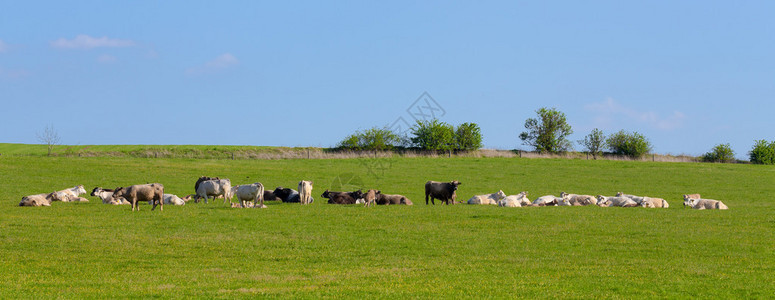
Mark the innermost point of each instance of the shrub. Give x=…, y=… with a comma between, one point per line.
x=630, y=144
x=433, y=135
x=594, y=142
x=548, y=132
x=371, y=139
x=468, y=137
x=763, y=153
x=722, y=153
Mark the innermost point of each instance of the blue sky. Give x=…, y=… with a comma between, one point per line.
x=686, y=74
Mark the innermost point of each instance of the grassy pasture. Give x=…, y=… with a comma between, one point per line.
x=326, y=251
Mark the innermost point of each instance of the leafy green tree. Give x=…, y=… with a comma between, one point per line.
x=433, y=135
x=722, y=153
x=630, y=144
x=547, y=133
x=763, y=152
x=371, y=139
x=468, y=137
x=594, y=142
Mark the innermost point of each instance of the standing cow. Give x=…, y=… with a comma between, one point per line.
x=249, y=192
x=443, y=191
x=214, y=188
x=305, y=192
x=141, y=192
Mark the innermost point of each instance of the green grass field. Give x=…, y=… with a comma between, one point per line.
x=90, y=250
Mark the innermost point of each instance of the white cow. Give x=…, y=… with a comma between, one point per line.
x=579, y=200
x=491, y=199
x=249, y=192
x=704, y=203
x=517, y=200
x=604, y=201
x=305, y=192
x=72, y=194
x=637, y=199
x=171, y=199
x=650, y=202
x=214, y=188
x=548, y=200
x=106, y=195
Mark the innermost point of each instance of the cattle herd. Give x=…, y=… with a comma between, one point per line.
x=254, y=195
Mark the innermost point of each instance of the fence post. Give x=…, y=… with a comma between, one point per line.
x=307, y=153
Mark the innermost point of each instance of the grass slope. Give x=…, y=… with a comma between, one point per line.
x=327, y=251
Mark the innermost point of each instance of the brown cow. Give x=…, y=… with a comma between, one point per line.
x=387, y=199
x=142, y=192
x=443, y=191
x=371, y=197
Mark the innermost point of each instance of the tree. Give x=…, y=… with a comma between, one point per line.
x=763, y=153
x=371, y=139
x=433, y=135
x=468, y=137
x=49, y=137
x=594, y=142
x=630, y=144
x=548, y=132
x=722, y=153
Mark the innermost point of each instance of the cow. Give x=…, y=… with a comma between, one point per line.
x=387, y=199
x=491, y=199
x=39, y=199
x=289, y=195
x=691, y=196
x=142, y=192
x=370, y=197
x=444, y=191
x=342, y=197
x=650, y=202
x=172, y=199
x=518, y=200
x=637, y=199
x=604, y=201
x=106, y=195
x=305, y=192
x=250, y=192
x=214, y=188
x=202, y=179
x=548, y=200
x=579, y=200
x=704, y=203
x=72, y=194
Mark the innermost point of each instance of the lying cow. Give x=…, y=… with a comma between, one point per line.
x=250, y=192
x=704, y=203
x=342, y=197
x=650, y=202
x=518, y=200
x=691, y=196
x=548, y=200
x=142, y=192
x=39, y=199
x=290, y=195
x=579, y=200
x=387, y=199
x=444, y=191
x=171, y=199
x=604, y=201
x=72, y=194
x=305, y=192
x=491, y=199
x=106, y=195
x=214, y=188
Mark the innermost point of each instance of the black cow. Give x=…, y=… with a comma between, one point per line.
x=443, y=191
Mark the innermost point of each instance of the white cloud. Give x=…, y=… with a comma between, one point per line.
x=3, y=46
x=83, y=41
x=223, y=61
x=610, y=113
x=106, y=59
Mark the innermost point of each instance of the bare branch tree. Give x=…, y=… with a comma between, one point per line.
x=49, y=137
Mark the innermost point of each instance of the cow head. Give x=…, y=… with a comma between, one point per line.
x=80, y=190
x=95, y=191
x=326, y=194
x=647, y=204
x=500, y=195
x=602, y=201
x=118, y=193
x=619, y=194
x=455, y=183
x=687, y=200
x=691, y=203
x=357, y=194
x=406, y=201
x=563, y=202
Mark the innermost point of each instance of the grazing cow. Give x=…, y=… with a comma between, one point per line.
x=518, y=200
x=214, y=188
x=444, y=191
x=604, y=201
x=250, y=192
x=387, y=199
x=548, y=200
x=106, y=195
x=579, y=200
x=39, y=199
x=650, y=202
x=342, y=197
x=142, y=192
x=491, y=199
x=691, y=196
x=704, y=203
x=289, y=195
x=371, y=197
x=305, y=192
